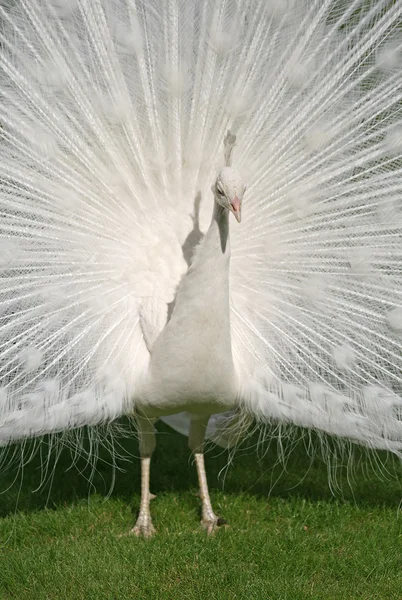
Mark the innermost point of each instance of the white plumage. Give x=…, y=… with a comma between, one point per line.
x=113, y=119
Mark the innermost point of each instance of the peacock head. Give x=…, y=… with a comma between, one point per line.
x=229, y=191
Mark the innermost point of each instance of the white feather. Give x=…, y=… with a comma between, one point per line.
x=113, y=115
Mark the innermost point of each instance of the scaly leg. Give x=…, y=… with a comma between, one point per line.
x=143, y=526
x=209, y=520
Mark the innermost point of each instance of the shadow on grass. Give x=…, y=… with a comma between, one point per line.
x=364, y=478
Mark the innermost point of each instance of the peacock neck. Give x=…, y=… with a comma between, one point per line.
x=209, y=271
x=217, y=238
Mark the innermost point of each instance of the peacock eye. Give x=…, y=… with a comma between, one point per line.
x=220, y=191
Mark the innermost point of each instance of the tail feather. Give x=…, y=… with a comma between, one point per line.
x=113, y=115
x=372, y=419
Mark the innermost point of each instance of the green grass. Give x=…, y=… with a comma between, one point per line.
x=291, y=540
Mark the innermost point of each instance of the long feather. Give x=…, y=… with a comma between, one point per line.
x=113, y=115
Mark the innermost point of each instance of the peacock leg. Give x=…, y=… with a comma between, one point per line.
x=209, y=520
x=144, y=526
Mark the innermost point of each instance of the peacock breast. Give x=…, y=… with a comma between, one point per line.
x=191, y=365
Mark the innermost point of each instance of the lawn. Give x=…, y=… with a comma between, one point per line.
x=288, y=537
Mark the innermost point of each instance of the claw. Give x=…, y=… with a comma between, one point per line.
x=211, y=525
x=145, y=531
x=143, y=527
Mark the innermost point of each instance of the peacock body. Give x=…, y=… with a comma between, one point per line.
x=114, y=118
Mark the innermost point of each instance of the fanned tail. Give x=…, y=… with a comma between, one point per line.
x=113, y=116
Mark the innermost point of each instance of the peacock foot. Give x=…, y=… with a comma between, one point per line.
x=143, y=527
x=212, y=523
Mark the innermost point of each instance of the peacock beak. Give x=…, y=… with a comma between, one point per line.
x=236, y=208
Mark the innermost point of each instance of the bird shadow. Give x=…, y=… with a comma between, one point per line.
x=195, y=236
x=253, y=470
x=191, y=242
